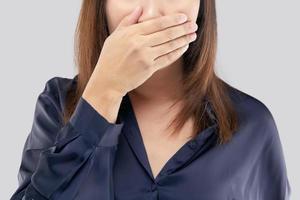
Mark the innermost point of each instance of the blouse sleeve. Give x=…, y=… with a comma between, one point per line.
x=54, y=155
x=269, y=177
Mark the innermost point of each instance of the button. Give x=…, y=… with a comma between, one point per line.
x=193, y=144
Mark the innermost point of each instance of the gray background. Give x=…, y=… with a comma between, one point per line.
x=258, y=52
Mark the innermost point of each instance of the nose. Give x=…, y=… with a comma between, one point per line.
x=151, y=9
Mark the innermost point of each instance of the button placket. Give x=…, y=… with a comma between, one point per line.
x=153, y=187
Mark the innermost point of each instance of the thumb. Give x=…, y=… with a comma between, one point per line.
x=132, y=18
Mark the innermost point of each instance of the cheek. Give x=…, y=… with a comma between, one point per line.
x=116, y=10
x=189, y=7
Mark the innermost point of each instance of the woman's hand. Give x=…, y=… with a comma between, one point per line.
x=134, y=51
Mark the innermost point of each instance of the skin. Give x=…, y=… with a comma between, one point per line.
x=151, y=100
x=164, y=84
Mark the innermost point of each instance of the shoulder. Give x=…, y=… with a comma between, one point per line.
x=253, y=113
x=56, y=88
x=47, y=119
x=248, y=104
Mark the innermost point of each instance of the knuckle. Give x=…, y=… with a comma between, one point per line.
x=137, y=43
x=134, y=44
x=145, y=61
x=146, y=64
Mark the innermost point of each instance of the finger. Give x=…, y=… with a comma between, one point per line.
x=172, y=45
x=170, y=34
x=132, y=18
x=158, y=24
x=169, y=58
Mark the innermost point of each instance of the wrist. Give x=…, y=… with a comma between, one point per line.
x=106, y=103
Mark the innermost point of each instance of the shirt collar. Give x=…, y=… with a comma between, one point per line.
x=194, y=147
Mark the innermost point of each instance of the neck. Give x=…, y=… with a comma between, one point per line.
x=163, y=86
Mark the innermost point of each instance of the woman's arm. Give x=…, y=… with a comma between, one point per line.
x=55, y=156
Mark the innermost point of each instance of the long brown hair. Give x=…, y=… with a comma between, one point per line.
x=200, y=81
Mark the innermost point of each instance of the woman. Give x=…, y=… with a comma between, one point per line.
x=106, y=133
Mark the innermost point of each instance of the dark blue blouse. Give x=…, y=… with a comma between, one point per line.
x=90, y=158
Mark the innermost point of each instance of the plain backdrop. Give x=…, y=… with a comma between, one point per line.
x=258, y=53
